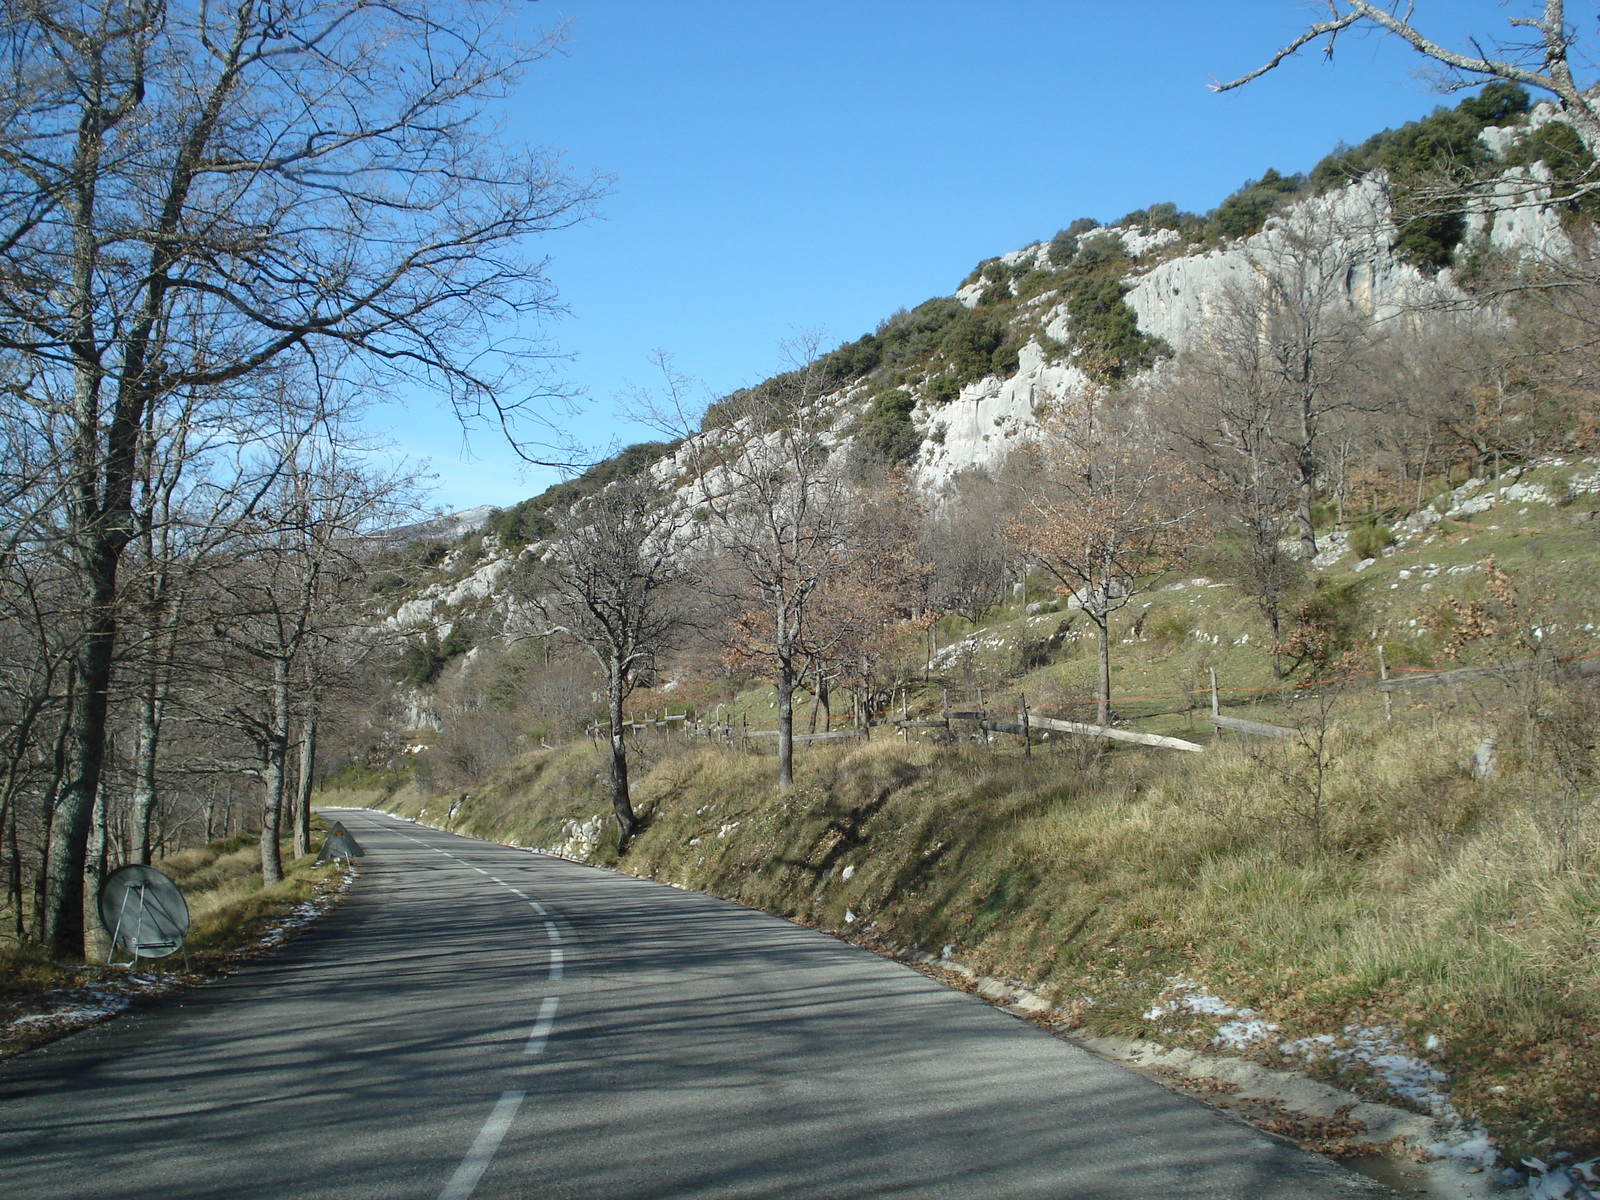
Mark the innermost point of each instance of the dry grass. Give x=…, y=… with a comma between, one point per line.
x=229, y=913
x=1404, y=893
x=1432, y=903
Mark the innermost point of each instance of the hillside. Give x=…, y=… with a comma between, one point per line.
x=1419, y=903
x=957, y=383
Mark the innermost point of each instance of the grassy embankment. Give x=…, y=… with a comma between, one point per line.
x=229, y=912
x=1407, y=894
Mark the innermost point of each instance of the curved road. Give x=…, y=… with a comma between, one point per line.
x=476, y=1021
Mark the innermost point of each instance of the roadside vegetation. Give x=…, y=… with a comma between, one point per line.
x=1366, y=875
x=233, y=917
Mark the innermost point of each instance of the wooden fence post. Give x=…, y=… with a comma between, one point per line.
x=1216, y=710
x=1027, y=739
x=1388, y=700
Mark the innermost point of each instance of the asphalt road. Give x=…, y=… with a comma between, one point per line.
x=480, y=1021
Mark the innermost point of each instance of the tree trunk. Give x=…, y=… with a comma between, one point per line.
x=785, y=722
x=1307, y=494
x=95, y=940
x=1306, y=468
x=274, y=751
x=621, y=800
x=1102, y=638
x=61, y=926
x=308, y=765
x=14, y=875
x=144, y=774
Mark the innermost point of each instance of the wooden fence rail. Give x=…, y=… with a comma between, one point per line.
x=1254, y=728
x=1114, y=735
x=1577, y=669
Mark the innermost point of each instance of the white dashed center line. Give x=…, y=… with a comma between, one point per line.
x=476, y=1162
x=541, y=1026
x=465, y=1180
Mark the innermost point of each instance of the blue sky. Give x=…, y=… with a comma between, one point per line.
x=789, y=165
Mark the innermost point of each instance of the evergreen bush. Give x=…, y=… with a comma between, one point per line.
x=1247, y=210
x=886, y=431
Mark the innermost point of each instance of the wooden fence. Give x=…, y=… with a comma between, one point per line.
x=1028, y=723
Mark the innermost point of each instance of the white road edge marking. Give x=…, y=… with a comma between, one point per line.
x=555, y=962
x=476, y=1162
x=541, y=1026
x=550, y=928
x=537, y=907
x=514, y=892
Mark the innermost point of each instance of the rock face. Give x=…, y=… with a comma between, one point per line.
x=1175, y=294
x=443, y=528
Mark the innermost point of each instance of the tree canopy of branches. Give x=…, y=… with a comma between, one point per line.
x=1298, y=341
x=613, y=581
x=1104, y=517
x=192, y=195
x=1542, y=59
x=782, y=514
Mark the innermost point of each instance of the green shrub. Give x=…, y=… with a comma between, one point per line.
x=1105, y=331
x=853, y=360
x=886, y=431
x=1497, y=103
x=529, y=521
x=1064, y=246
x=1165, y=215
x=1247, y=210
x=971, y=344
x=942, y=389
x=1052, y=348
x=1442, y=147
x=1369, y=539
x=1035, y=282
x=1558, y=146
x=910, y=337
x=995, y=293
x=421, y=661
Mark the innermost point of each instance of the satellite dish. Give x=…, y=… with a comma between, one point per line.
x=339, y=844
x=144, y=911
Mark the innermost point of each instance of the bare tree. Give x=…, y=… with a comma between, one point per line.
x=1223, y=416
x=613, y=581
x=1297, y=328
x=782, y=513
x=1104, y=517
x=292, y=590
x=192, y=192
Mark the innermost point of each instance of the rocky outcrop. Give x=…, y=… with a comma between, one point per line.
x=1176, y=294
